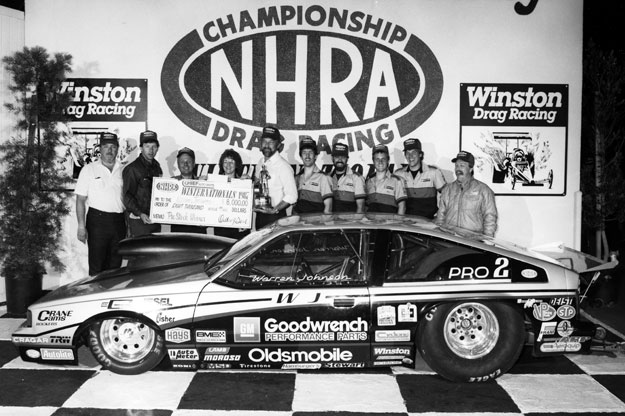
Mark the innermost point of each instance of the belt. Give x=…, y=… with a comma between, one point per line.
x=99, y=213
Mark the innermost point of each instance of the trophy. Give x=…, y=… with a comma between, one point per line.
x=262, y=199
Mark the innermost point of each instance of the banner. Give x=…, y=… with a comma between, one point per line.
x=215, y=202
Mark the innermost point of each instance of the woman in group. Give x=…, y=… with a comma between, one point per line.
x=231, y=165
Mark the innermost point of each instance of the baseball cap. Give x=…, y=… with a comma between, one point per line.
x=108, y=138
x=147, y=137
x=412, y=144
x=379, y=148
x=186, y=151
x=466, y=156
x=307, y=143
x=272, y=133
x=340, y=149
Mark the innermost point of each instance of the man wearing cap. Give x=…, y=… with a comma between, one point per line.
x=348, y=186
x=314, y=187
x=422, y=182
x=185, y=159
x=467, y=202
x=137, y=190
x=281, y=182
x=385, y=191
x=103, y=227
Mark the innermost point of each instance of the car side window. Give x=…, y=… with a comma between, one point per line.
x=305, y=259
x=408, y=256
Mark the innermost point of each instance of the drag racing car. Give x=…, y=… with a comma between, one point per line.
x=315, y=292
x=521, y=169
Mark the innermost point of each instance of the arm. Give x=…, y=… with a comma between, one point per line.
x=442, y=207
x=489, y=212
x=360, y=205
x=327, y=205
x=130, y=190
x=401, y=207
x=400, y=196
x=81, y=212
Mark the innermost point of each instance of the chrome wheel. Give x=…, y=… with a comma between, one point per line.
x=126, y=340
x=471, y=330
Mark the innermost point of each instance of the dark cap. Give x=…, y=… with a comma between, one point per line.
x=272, y=133
x=465, y=156
x=147, y=137
x=340, y=149
x=108, y=138
x=307, y=143
x=379, y=148
x=186, y=151
x=412, y=144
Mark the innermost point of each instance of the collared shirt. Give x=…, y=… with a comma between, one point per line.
x=422, y=189
x=312, y=191
x=281, y=181
x=384, y=195
x=347, y=189
x=102, y=187
x=470, y=206
x=137, y=192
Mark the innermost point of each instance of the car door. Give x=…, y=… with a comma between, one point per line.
x=299, y=301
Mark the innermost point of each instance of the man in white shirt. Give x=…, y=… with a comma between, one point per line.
x=281, y=181
x=102, y=226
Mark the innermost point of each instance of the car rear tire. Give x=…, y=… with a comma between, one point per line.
x=471, y=341
x=126, y=345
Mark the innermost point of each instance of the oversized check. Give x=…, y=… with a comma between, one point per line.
x=215, y=202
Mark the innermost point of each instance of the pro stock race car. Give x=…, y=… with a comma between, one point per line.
x=315, y=292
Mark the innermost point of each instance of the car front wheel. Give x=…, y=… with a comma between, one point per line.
x=126, y=345
x=471, y=341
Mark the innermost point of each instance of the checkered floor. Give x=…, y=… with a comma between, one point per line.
x=580, y=384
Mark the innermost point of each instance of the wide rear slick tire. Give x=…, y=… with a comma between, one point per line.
x=471, y=341
x=126, y=345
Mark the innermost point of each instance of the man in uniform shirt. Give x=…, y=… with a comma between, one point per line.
x=281, y=182
x=422, y=182
x=385, y=191
x=348, y=186
x=467, y=202
x=314, y=187
x=137, y=192
x=185, y=159
x=103, y=227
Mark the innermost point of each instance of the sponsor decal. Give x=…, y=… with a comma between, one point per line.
x=30, y=340
x=386, y=315
x=324, y=72
x=161, y=318
x=217, y=350
x=254, y=366
x=546, y=329
x=309, y=330
x=544, y=312
x=216, y=366
x=561, y=301
x=407, y=313
x=392, y=336
x=529, y=273
x=565, y=328
x=391, y=351
x=100, y=99
x=486, y=377
x=388, y=362
x=566, y=312
x=53, y=315
x=481, y=272
x=59, y=339
x=118, y=303
x=258, y=355
x=56, y=354
x=209, y=336
x=301, y=366
x=561, y=346
x=292, y=297
x=222, y=357
x=177, y=335
x=344, y=365
x=246, y=329
x=184, y=354
x=160, y=301
x=184, y=366
x=34, y=354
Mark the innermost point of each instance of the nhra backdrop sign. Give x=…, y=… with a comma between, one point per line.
x=104, y=99
x=322, y=72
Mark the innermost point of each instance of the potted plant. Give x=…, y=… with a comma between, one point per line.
x=31, y=207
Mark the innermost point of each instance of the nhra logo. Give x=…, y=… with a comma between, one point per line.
x=305, y=68
x=167, y=186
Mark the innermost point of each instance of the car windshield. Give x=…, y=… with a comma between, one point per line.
x=222, y=257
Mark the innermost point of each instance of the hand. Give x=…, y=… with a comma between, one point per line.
x=82, y=234
x=145, y=218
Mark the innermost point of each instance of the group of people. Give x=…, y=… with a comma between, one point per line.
x=119, y=198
